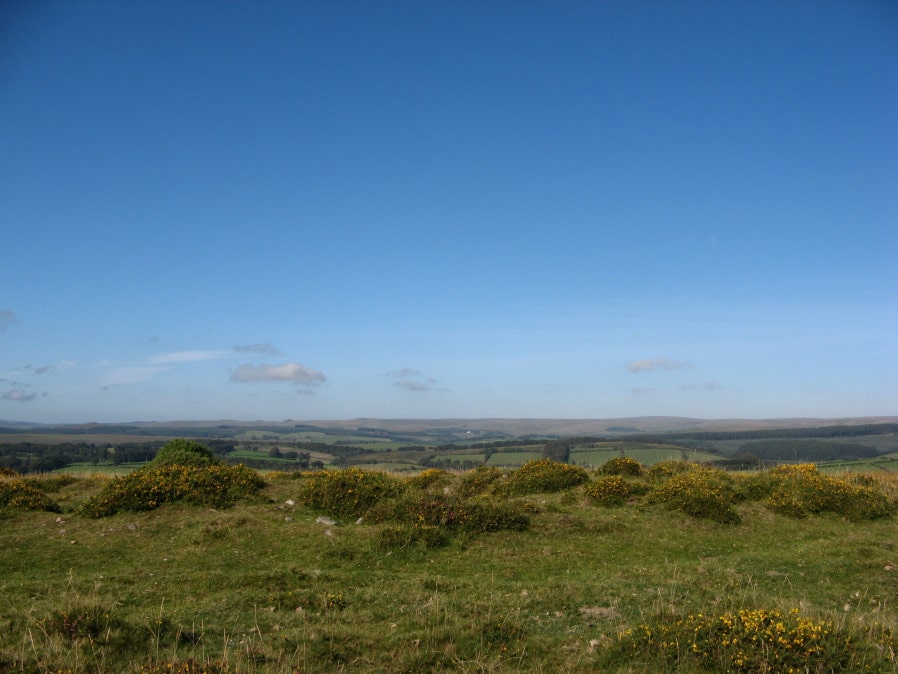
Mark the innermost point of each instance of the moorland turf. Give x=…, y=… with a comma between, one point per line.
x=269, y=584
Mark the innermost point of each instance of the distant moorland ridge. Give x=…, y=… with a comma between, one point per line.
x=514, y=427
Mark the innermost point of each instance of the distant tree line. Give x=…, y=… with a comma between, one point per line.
x=558, y=450
x=34, y=457
x=806, y=450
x=770, y=433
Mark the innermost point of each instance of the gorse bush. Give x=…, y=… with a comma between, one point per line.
x=19, y=494
x=7, y=472
x=217, y=485
x=413, y=511
x=802, y=490
x=746, y=641
x=700, y=492
x=432, y=520
x=432, y=477
x=794, y=490
x=475, y=515
x=349, y=493
x=612, y=490
x=622, y=465
x=539, y=476
x=479, y=480
x=666, y=469
x=180, y=452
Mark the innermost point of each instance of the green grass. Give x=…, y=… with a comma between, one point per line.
x=105, y=467
x=263, y=587
x=476, y=457
x=887, y=463
x=513, y=459
x=645, y=455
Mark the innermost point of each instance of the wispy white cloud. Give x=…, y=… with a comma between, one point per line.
x=179, y=357
x=266, y=348
x=38, y=369
x=412, y=380
x=403, y=373
x=7, y=318
x=662, y=363
x=289, y=372
x=20, y=396
x=415, y=386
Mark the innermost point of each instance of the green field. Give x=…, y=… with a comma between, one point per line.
x=263, y=586
x=513, y=458
x=888, y=463
x=645, y=455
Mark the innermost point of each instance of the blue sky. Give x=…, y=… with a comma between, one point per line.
x=326, y=210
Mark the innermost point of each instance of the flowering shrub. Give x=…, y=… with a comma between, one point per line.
x=801, y=490
x=475, y=515
x=747, y=641
x=611, y=490
x=701, y=492
x=540, y=475
x=20, y=494
x=348, y=493
x=432, y=477
x=217, y=485
x=7, y=472
x=666, y=469
x=479, y=480
x=621, y=465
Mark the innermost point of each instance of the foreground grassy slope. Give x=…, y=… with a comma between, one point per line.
x=265, y=586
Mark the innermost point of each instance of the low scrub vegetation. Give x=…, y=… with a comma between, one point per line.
x=749, y=640
x=540, y=476
x=612, y=490
x=183, y=471
x=548, y=567
x=19, y=494
x=622, y=465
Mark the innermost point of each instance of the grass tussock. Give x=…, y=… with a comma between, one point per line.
x=623, y=571
x=759, y=640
